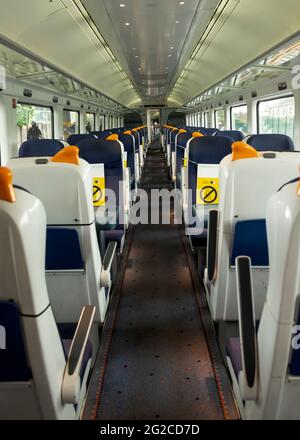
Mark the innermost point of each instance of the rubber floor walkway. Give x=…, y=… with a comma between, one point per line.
x=154, y=362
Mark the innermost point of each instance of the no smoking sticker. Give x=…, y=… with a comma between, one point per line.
x=99, y=191
x=207, y=191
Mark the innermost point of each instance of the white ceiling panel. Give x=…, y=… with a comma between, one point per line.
x=151, y=38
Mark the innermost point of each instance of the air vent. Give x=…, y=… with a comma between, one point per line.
x=55, y=99
x=68, y=102
x=254, y=94
x=241, y=98
x=27, y=93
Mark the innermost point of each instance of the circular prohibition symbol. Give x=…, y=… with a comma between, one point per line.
x=97, y=193
x=208, y=194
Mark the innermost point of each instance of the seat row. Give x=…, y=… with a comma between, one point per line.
x=64, y=213
x=241, y=204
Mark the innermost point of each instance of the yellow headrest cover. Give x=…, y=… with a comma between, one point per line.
x=67, y=155
x=7, y=192
x=182, y=131
x=197, y=134
x=127, y=132
x=242, y=150
x=113, y=137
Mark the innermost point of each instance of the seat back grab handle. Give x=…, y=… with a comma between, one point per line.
x=71, y=379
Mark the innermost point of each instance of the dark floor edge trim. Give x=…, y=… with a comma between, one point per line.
x=93, y=400
x=226, y=397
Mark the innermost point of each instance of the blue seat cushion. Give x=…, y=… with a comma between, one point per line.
x=13, y=360
x=233, y=349
x=63, y=250
x=250, y=239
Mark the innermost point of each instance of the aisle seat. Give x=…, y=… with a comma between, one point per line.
x=41, y=375
x=76, y=274
x=128, y=141
x=203, y=155
x=237, y=227
x=265, y=364
x=109, y=154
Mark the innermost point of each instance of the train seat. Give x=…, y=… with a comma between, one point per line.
x=266, y=363
x=137, y=154
x=203, y=155
x=270, y=142
x=40, y=148
x=128, y=142
x=247, y=181
x=41, y=375
x=171, y=145
x=75, y=272
x=139, y=147
x=181, y=143
x=109, y=153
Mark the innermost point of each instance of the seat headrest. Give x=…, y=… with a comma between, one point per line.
x=209, y=149
x=271, y=142
x=74, y=139
x=235, y=135
x=40, y=148
x=183, y=138
x=128, y=142
x=101, y=134
x=97, y=151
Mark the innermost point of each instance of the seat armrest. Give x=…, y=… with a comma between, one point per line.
x=248, y=338
x=109, y=266
x=212, y=237
x=71, y=381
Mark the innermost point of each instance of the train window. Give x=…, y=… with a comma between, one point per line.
x=206, y=119
x=102, y=122
x=71, y=123
x=90, y=122
x=34, y=122
x=220, y=119
x=277, y=116
x=239, y=118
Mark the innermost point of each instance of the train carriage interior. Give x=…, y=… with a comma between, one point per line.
x=149, y=210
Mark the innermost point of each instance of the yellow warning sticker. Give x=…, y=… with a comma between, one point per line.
x=99, y=191
x=185, y=162
x=207, y=191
